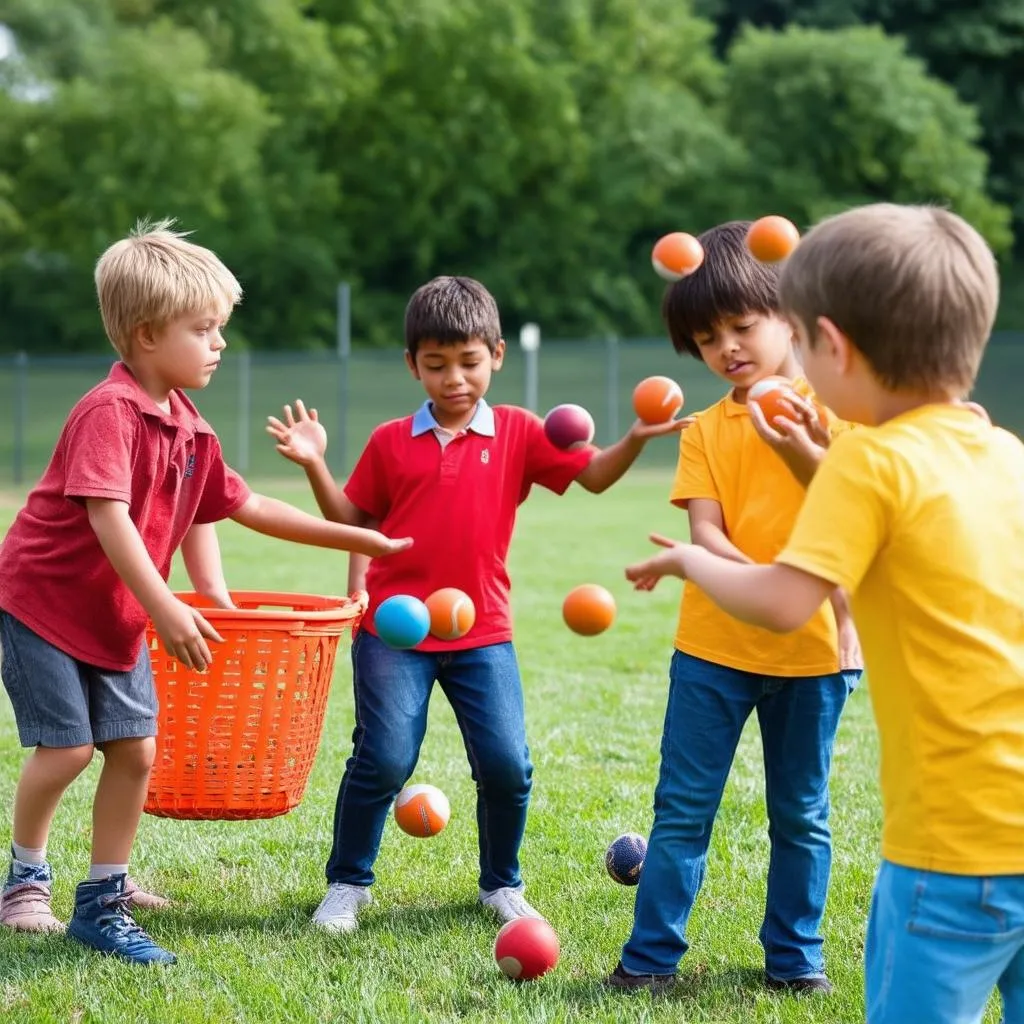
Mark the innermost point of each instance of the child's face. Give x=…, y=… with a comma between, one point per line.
x=747, y=348
x=185, y=352
x=455, y=375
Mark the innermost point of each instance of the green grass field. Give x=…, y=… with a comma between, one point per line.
x=244, y=891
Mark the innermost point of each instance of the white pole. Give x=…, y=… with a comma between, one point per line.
x=529, y=342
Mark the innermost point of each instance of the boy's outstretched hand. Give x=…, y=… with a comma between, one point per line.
x=301, y=437
x=800, y=444
x=645, y=431
x=645, y=575
x=376, y=545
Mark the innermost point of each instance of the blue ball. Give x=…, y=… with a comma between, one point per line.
x=625, y=857
x=402, y=621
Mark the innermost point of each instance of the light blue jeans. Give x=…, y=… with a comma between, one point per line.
x=937, y=945
x=708, y=705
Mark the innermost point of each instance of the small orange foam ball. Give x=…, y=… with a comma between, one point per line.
x=657, y=399
x=772, y=238
x=675, y=255
x=588, y=609
x=422, y=811
x=772, y=395
x=452, y=613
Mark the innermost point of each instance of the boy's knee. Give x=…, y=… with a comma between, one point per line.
x=71, y=761
x=135, y=756
x=509, y=774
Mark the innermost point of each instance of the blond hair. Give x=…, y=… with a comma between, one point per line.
x=154, y=276
x=915, y=288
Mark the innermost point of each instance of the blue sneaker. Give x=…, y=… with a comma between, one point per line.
x=103, y=920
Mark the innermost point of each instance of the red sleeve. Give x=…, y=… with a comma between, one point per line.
x=547, y=465
x=224, y=491
x=367, y=486
x=98, y=452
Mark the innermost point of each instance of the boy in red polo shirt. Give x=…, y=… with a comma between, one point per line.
x=136, y=473
x=452, y=476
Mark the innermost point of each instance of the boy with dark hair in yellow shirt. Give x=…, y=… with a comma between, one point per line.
x=893, y=307
x=742, y=501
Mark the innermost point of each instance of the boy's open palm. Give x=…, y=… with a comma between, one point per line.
x=300, y=437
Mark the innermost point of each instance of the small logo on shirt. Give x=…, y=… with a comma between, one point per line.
x=485, y=456
x=190, y=466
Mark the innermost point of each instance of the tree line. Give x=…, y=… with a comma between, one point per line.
x=540, y=145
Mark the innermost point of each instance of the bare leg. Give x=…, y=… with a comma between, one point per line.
x=120, y=796
x=45, y=776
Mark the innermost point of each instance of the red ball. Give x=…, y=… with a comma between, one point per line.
x=526, y=948
x=569, y=426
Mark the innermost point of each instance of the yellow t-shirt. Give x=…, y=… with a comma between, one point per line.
x=922, y=520
x=722, y=458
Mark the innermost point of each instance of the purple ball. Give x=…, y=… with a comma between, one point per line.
x=569, y=426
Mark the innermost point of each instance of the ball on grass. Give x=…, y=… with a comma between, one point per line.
x=526, y=948
x=625, y=857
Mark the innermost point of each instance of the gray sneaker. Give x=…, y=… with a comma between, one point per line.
x=509, y=904
x=340, y=906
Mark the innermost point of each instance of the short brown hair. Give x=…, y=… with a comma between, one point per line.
x=449, y=310
x=914, y=288
x=154, y=276
x=730, y=282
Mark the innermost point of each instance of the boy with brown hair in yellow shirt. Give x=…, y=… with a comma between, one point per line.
x=742, y=501
x=921, y=517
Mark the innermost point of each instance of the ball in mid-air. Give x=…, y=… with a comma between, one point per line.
x=676, y=255
x=452, y=613
x=625, y=857
x=422, y=810
x=588, y=609
x=402, y=621
x=772, y=238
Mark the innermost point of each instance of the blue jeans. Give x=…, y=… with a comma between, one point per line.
x=938, y=944
x=708, y=705
x=392, y=696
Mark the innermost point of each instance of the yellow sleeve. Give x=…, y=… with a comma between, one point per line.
x=844, y=520
x=693, y=473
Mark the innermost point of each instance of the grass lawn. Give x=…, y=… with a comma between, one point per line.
x=244, y=891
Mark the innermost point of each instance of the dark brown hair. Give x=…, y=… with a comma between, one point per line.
x=449, y=310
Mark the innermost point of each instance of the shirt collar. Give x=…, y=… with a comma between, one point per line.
x=183, y=412
x=482, y=423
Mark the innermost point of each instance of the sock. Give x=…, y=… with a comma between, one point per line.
x=97, y=871
x=28, y=855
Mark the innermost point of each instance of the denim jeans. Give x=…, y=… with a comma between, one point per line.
x=937, y=945
x=392, y=696
x=708, y=705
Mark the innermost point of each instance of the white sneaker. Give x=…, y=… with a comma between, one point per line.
x=338, y=909
x=509, y=904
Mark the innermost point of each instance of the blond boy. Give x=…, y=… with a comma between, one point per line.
x=136, y=473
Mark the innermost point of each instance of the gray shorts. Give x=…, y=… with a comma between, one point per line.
x=61, y=702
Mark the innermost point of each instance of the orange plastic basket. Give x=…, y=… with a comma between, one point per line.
x=238, y=742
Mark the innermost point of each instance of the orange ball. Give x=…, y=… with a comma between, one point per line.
x=422, y=811
x=772, y=238
x=588, y=609
x=773, y=396
x=452, y=613
x=657, y=399
x=676, y=255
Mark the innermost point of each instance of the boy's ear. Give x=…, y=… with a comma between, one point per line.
x=411, y=363
x=142, y=335
x=836, y=343
x=498, y=357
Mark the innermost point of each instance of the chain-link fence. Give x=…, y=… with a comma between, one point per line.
x=356, y=392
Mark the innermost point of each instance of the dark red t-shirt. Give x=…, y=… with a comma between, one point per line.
x=459, y=504
x=117, y=444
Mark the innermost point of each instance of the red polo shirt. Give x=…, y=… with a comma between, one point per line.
x=459, y=503
x=116, y=443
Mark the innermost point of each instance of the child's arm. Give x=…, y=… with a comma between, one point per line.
x=610, y=464
x=201, y=553
x=302, y=438
x=279, y=519
x=182, y=629
x=776, y=597
x=850, y=656
x=707, y=528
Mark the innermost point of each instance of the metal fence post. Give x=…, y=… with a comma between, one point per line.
x=344, y=328
x=20, y=413
x=244, y=408
x=612, y=387
x=529, y=342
